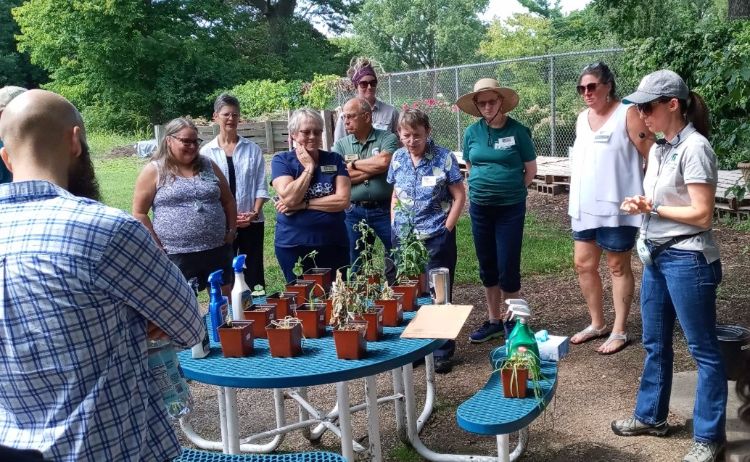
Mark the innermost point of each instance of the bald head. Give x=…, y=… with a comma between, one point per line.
x=40, y=124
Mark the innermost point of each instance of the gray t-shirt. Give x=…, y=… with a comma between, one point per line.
x=689, y=159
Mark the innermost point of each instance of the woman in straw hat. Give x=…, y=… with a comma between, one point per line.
x=501, y=163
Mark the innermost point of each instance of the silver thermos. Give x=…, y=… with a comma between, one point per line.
x=440, y=285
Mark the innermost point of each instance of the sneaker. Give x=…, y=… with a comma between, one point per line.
x=634, y=427
x=703, y=452
x=487, y=331
x=443, y=365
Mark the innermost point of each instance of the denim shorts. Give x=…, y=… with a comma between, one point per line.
x=611, y=239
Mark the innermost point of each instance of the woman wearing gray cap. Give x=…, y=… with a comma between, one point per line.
x=681, y=267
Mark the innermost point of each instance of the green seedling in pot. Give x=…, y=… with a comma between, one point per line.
x=298, y=268
x=411, y=255
x=524, y=359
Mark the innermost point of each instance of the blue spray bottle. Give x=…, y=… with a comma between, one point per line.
x=218, y=305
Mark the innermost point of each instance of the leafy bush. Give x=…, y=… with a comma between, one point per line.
x=321, y=92
x=258, y=97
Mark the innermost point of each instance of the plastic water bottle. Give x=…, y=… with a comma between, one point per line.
x=166, y=372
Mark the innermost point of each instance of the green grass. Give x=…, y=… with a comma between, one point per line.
x=547, y=247
x=404, y=453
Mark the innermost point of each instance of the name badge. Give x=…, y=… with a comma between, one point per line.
x=429, y=180
x=505, y=143
x=602, y=137
x=351, y=157
x=375, y=151
x=328, y=168
x=379, y=126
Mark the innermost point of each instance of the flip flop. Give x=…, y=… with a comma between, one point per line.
x=612, y=337
x=590, y=333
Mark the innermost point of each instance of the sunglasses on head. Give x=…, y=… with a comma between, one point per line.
x=590, y=88
x=367, y=83
x=648, y=108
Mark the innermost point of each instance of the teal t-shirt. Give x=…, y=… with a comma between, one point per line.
x=497, y=157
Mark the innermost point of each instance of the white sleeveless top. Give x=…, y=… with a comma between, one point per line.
x=605, y=168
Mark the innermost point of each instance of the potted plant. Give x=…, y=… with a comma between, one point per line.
x=286, y=303
x=393, y=313
x=515, y=372
x=302, y=288
x=261, y=315
x=285, y=337
x=319, y=276
x=411, y=259
x=313, y=316
x=348, y=334
x=366, y=263
x=236, y=338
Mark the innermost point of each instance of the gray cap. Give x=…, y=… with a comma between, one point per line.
x=8, y=93
x=658, y=84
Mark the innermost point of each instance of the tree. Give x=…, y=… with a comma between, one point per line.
x=15, y=67
x=543, y=8
x=520, y=35
x=410, y=34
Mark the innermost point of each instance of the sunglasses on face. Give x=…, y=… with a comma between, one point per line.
x=367, y=83
x=188, y=142
x=590, y=88
x=648, y=108
x=489, y=102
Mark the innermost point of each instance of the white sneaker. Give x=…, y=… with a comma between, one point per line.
x=703, y=452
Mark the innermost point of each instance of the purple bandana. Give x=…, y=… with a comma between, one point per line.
x=363, y=71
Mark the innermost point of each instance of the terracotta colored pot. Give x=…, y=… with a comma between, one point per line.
x=261, y=315
x=236, y=341
x=313, y=319
x=393, y=311
x=374, y=318
x=409, y=292
x=302, y=288
x=285, y=343
x=517, y=388
x=350, y=344
x=423, y=287
x=320, y=276
x=286, y=303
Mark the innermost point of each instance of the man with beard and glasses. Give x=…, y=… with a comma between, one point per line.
x=83, y=288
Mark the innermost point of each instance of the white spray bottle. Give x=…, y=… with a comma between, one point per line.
x=242, y=297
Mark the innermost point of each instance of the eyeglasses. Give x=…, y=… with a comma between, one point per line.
x=307, y=133
x=352, y=116
x=367, y=83
x=648, y=108
x=489, y=102
x=229, y=115
x=590, y=88
x=188, y=142
x=411, y=138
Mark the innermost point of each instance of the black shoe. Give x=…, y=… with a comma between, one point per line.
x=443, y=365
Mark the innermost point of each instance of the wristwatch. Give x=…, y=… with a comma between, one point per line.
x=655, y=210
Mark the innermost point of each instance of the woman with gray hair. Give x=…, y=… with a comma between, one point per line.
x=313, y=190
x=242, y=163
x=195, y=215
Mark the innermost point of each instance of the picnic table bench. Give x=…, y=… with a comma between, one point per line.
x=194, y=455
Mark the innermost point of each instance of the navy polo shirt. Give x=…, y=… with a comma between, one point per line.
x=311, y=227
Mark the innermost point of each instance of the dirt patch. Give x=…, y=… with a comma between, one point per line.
x=122, y=151
x=593, y=389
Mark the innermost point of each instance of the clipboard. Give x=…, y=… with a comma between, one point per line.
x=438, y=321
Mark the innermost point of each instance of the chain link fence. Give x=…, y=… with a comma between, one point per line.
x=546, y=85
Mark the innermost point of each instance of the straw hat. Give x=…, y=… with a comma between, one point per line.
x=509, y=96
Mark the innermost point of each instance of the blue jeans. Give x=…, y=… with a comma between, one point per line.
x=681, y=285
x=379, y=219
x=498, y=233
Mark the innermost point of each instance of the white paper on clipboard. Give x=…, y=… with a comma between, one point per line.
x=438, y=321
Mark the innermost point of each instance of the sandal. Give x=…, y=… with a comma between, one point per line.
x=614, y=337
x=590, y=333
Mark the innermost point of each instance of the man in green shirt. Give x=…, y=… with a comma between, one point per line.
x=367, y=152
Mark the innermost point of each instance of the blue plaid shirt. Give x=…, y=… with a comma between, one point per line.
x=424, y=189
x=79, y=282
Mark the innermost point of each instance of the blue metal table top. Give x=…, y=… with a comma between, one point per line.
x=317, y=365
x=488, y=412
